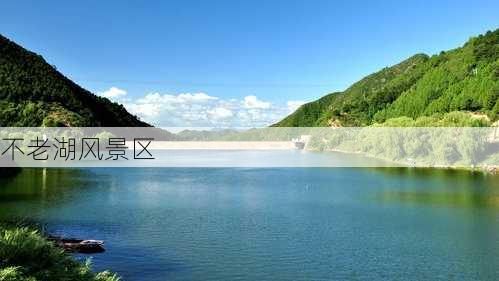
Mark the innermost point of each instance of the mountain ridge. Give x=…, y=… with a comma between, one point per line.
x=465, y=79
x=33, y=93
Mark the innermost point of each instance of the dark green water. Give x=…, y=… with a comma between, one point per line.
x=271, y=224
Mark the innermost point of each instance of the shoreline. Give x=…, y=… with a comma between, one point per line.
x=219, y=145
x=493, y=170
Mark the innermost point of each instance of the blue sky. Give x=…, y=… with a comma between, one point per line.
x=247, y=57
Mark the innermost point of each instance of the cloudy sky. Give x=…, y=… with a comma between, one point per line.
x=201, y=109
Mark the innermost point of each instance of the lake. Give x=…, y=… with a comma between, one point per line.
x=270, y=223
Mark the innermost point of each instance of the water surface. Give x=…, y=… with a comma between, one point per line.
x=270, y=223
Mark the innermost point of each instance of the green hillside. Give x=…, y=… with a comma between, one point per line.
x=465, y=79
x=34, y=93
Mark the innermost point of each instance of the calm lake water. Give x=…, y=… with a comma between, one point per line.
x=270, y=223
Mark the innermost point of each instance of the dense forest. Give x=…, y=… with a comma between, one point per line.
x=421, y=90
x=33, y=93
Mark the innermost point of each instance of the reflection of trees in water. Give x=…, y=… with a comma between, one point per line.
x=458, y=177
x=466, y=199
x=43, y=187
x=442, y=187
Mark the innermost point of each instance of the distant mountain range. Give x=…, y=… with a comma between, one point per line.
x=420, y=91
x=33, y=93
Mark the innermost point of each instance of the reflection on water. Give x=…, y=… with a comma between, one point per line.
x=272, y=223
x=458, y=188
x=468, y=200
x=35, y=184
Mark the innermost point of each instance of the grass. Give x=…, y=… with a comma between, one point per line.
x=25, y=255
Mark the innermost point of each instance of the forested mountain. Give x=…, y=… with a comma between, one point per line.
x=33, y=93
x=422, y=89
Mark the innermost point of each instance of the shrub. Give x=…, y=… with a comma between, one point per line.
x=27, y=256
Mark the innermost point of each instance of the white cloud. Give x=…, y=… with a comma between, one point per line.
x=254, y=102
x=112, y=93
x=181, y=98
x=294, y=105
x=198, y=97
x=220, y=113
x=177, y=99
x=146, y=110
x=203, y=110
